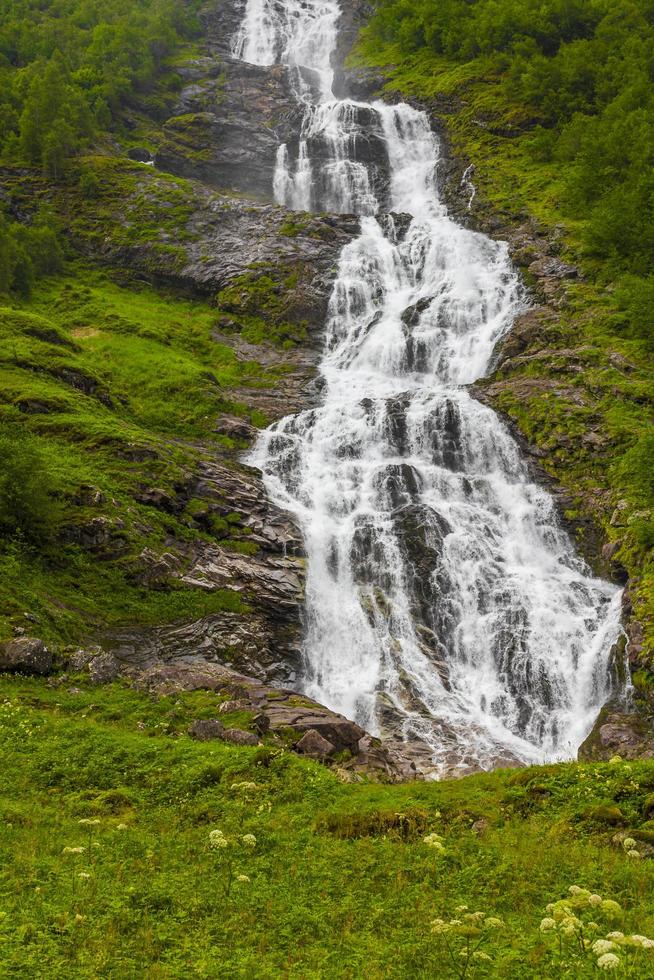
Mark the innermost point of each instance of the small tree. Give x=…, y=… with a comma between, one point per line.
x=28, y=508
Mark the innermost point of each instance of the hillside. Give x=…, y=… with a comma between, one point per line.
x=174, y=803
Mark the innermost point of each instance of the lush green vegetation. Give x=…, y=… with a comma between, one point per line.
x=553, y=104
x=68, y=68
x=107, y=389
x=113, y=865
x=582, y=72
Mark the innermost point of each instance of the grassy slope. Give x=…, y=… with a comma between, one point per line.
x=604, y=381
x=340, y=884
x=150, y=353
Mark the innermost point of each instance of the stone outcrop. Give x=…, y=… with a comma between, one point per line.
x=228, y=124
x=264, y=640
x=25, y=655
x=620, y=731
x=310, y=728
x=258, y=259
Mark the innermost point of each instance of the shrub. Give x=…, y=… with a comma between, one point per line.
x=28, y=508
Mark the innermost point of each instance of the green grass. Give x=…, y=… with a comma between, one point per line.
x=341, y=883
x=119, y=387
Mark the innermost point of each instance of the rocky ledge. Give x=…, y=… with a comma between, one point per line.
x=268, y=716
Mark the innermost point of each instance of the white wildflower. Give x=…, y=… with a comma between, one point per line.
x=633, y=854
x=243, y=878
x=608, y=962
x=84, y=875
x=249, y=840
x=122, y=826
x=628, y=843
x=480, y=955
x=615, y=936
x=74, y=850
x=436, y=843
x=594, y=900
x=88, y=822
x=547, y=924
x=603, y=946
x=494, y=923
x=439, y=926
x=575, y=890
x=460, y=909
x=217, y=840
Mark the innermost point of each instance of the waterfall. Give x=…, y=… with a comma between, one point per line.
x=445, y=606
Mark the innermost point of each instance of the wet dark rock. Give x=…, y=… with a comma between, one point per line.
x=25, y=655
x=226, y=128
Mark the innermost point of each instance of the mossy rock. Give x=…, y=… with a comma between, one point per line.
x=406, y=825
x=611, y=815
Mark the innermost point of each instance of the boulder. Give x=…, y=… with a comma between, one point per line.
x=313, y=745
x=104, y=668
x=238, y=737
x=206, y=729
x=25, y=655
x=79, y=659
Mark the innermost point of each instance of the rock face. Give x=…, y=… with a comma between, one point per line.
x=620, y=731
x=259, y=260
x=25, y=655
x=232, y=117
x=265, y=640
x=228, y=124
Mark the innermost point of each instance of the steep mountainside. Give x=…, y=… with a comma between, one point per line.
x=171, y=807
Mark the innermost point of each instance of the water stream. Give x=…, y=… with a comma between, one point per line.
x=446, y=607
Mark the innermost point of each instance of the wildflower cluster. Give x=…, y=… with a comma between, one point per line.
x=572, y=922
x=631, y=847
x=15, y=722
x=435, y=842
x=227, y=850
x=464, y=935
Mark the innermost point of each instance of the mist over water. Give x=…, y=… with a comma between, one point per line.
x=445, y=605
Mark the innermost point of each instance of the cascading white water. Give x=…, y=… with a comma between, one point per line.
x=445, y=605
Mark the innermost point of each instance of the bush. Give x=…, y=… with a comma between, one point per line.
x=28, y=508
